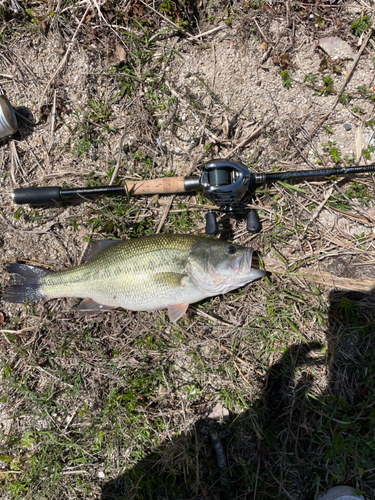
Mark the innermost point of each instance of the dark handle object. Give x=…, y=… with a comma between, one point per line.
x=252, y=221
x=44, y=195
x=211, y=223
x=37, y=195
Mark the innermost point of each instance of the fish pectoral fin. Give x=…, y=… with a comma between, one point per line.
x=171, y=279
x=89, y=307
x=176, y=311
x=96, y=247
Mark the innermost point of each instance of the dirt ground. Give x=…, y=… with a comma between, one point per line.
x=121, y=405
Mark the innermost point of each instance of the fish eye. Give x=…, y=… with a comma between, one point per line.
x=231, y=249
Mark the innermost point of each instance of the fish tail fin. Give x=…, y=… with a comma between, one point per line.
x=27, y=284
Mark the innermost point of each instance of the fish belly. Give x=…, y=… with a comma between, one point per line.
x=136, y=293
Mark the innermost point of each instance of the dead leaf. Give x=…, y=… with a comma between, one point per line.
x=132, y=362
x=219, y=412
x=1, y=318
x=336, y=48
x=119, y=55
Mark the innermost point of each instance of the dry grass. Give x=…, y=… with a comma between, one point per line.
x=117, y=406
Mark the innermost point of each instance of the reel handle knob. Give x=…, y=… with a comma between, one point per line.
x=211, y=223
x=252, y=221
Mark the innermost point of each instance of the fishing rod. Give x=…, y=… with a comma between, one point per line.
x=230, y=185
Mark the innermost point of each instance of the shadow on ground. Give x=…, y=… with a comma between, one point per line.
x=296, y=441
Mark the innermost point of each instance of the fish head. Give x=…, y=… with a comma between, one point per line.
x=217, y=267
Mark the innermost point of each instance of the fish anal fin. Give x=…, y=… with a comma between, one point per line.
x=88, y=307
x=176, y=311
x=96, y=247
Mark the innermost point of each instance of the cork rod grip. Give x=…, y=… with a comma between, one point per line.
x=165, y=185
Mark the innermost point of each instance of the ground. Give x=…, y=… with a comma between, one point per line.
x=265, y=392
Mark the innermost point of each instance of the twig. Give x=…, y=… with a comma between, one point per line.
x=66, y=472
x=165, y=214
x=53, y=116
x=242, y=375
x=317, y=211
x=115, y=172
x=6, y=338
x=18, y=332
x=209, y=32
x=71, y=419
x=205, y=315
x=260, y=31
x=15, y=162
x=337, y=282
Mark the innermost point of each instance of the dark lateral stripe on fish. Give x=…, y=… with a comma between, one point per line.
x=26, y=283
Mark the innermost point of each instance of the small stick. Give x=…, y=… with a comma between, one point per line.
x=209, y=32
x=71, y=419
x=336, y=282
x=165, y=214
x=242, y=375
x=317, y=211
x=260, y=31
x=18, y=332
x=115, y=172
x=53, y=116
x=205, y=315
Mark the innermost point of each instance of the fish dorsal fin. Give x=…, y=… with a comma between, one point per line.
x=88, y=307
x=96, y=247
x=176, y=311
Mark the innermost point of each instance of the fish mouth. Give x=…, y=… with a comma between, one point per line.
x=246, y=258
x=255, y=273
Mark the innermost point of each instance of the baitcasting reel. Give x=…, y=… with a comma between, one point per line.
x=228, y=185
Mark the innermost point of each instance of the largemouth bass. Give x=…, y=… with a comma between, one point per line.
x=142, y=274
